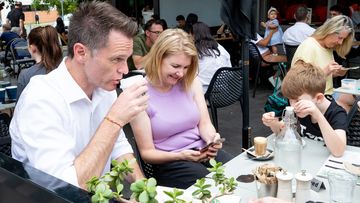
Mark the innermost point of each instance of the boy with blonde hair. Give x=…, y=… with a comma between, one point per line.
x=320, y=119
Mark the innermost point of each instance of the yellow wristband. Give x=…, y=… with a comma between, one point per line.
x=112, y=121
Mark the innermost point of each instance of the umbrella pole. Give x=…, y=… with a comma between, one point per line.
x=246, y=131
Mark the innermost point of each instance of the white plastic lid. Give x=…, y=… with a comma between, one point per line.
x=284, y=175
x=303, y=176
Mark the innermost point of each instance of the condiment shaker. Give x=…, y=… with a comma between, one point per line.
x=303, y=187
x=284, y=190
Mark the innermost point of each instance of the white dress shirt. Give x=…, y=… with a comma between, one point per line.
x=297, y=33
x=54, y=121
x=208, y=65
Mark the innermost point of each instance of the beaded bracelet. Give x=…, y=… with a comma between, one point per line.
x=112, y=121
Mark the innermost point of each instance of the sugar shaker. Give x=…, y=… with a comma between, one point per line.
x=303, y=186
x=284, y=190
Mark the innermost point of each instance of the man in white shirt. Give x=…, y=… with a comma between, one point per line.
x=69, y=123
x=297, y=33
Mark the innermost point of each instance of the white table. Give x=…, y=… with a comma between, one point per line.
x=314, y=155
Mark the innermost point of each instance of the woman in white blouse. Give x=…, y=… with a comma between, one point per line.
x=212, y=55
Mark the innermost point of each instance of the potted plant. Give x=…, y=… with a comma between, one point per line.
x=110, y=187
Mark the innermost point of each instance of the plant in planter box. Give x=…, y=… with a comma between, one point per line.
x=226, y=185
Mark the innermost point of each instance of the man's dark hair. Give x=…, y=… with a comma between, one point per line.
x=92, y=22
x=192, y=18
x=151, y=22
x=341, y=9
x=180, y=17
x=301, y=13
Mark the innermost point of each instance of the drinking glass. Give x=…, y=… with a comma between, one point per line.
x=342, y=186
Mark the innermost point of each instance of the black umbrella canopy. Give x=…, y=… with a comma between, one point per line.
x=241, y=16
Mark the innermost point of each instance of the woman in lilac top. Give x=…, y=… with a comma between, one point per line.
x=176, y=123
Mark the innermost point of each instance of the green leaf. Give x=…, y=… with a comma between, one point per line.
x=151, y=182
x=144, y=197
x=119, y=188
x=212, y=162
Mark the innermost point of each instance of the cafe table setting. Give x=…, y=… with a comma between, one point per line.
x=311, y=179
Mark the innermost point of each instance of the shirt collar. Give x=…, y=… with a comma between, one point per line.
x=72, y=91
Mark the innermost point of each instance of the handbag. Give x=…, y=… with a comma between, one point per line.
x=276, y=102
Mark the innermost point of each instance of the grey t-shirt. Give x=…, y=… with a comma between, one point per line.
x=26, y=75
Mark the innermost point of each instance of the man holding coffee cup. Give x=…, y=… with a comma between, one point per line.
x=69, y=122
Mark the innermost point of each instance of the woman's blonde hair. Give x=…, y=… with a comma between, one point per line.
x=337, y=24
x=170, y=42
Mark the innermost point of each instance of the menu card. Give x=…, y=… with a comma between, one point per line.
x=336, y=163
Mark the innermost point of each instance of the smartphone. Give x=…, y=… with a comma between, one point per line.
x=221, y=140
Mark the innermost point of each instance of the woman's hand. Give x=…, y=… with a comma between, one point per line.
x=193, y=155
x=332, y=68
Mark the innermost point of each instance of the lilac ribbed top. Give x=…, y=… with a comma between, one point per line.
x=174, y=118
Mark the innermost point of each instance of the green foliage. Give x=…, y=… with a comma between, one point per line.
x=202, y=193
x=174, y=196
x=110, y=185
x=226, y=185
x=69, y=6
x=144, y=190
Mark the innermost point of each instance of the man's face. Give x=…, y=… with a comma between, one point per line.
x=107, y=65
x=154, y=32
x=335, y=39
x=181, y=23
x=334, y=13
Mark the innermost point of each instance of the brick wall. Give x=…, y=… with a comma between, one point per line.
x=44, y=16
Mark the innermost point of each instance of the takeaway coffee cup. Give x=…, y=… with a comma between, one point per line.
x=11, y=92
x=260, y=144
x=127, y=82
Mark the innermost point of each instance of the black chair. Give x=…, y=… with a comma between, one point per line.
x=225, y=88
x=5, y=139
x=256, y=61
x=290, y=51
x=353, y=123
x=21, y=57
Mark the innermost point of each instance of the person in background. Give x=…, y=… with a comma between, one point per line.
x=265, y=52
x=297, y=33
x=272, y=24
x=68, y=123
x=176, y=123
x=336, y=34
x=7, y=35
x=191, y=19
x=320, y=119
x=337, y=9
x=37, y=18
x=45, y=49
x=16, y=19
x=180, y=20
x=212, y=55
x=60, y=28
x=143, y=42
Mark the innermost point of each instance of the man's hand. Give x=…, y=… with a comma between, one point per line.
x=130, y=102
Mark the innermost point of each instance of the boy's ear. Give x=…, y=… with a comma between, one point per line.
x=319, y=97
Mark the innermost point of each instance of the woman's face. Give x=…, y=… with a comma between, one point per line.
x=174, y=68
x=335, y=39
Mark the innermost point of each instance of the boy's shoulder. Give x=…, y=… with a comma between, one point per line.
x=334, y=110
